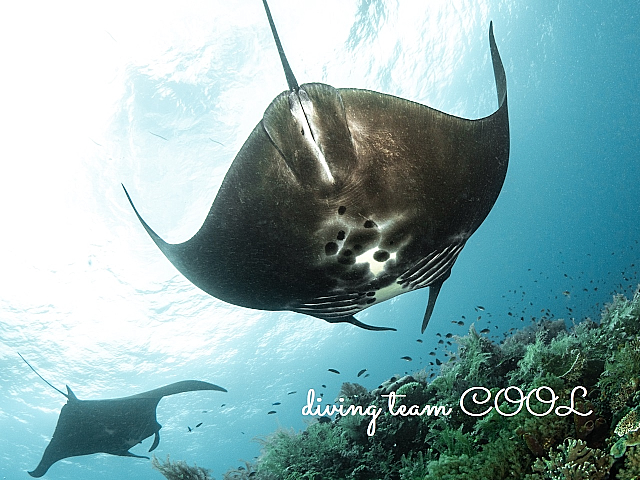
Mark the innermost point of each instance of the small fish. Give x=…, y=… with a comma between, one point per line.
x=271, y=412
x=438, y=362
x=419, y=340
x=361, y=372
x=275, y=403
x=189, y=428
x=449, y=335
x=223, y=405
x=480, y=307
x=291, y=393
x=407, y=358
x=485, y=330
x=432, y=353
x=198, y=424
x=566, y=293
x=460, y=322
x=324, y=386
x=333, y=370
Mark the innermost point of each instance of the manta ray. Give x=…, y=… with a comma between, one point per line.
x=342, y=198
x=108, y=426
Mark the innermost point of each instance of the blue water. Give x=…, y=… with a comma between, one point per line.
x=161, y=97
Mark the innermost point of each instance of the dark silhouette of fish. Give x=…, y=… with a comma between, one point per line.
x=344, y=198
x=108, y=426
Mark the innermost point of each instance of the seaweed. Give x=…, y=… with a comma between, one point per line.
x=180, y=470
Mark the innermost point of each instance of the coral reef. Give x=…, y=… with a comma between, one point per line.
x=564, y=405
x=532, y=443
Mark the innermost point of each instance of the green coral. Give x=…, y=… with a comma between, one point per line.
x=573, y=460
x=320, y=452
x=499, y=460
x=604, y=358
x=631, y=468
x=180, y=470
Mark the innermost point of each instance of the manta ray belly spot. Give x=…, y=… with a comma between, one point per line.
x=360, y=252
x=377, y=259
x=362, y=260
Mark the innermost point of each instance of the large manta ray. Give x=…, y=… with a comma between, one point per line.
x=108, y=426
x=343, y=198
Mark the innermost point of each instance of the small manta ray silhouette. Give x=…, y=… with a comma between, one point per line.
x=108, y=426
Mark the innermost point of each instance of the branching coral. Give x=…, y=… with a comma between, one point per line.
x=572, y=461
x=180, y=470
